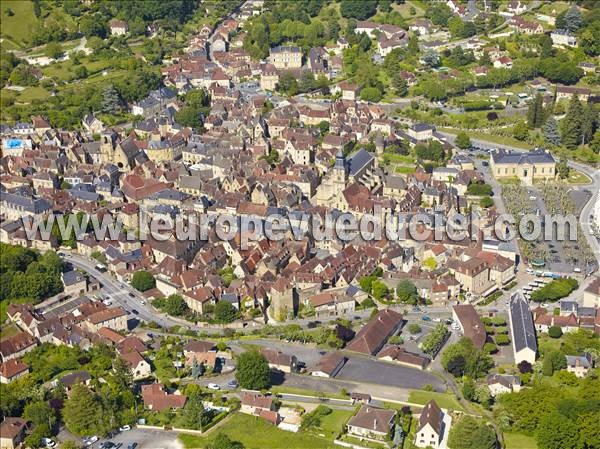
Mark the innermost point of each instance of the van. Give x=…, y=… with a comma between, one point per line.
x=576, y=270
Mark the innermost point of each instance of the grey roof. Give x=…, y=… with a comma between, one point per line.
x=358, y=161
x=532, y=157
x=522, y=324
x=568, y=307
x=72, y=277
x=584, y=360
x=28, y=204
x=169, y=194
x=422, y=127
x=281, y=49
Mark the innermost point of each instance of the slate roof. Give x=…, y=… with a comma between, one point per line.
x=371, y=336
x=522, y=324
x=358, y=160
x=372, y=418
x=532, y=157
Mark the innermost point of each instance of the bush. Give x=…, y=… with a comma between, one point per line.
x=414, y=328
x=502, y=339
x=555, y=290
x=142, y=281
x=555, y=332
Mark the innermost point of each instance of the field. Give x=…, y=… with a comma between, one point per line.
x=444, y=400
x=502, y=140
x=518, y=441
x=17, y=27
x=331, y=425
x=577, y=177
x=256, y=433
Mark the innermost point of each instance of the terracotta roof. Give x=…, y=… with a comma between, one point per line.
x=110, y=334
x=11, y=427
x=106, y=315
x=472, y=326
x=372, y=418
x=257, y=400
x=432, y=414
x=198, y=346
x=16, y=343
x=329, y=362
x=133, y=358
x=12, y=367
x=372, y=336
x=156, y=398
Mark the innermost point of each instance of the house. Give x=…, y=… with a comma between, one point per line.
x=196, y=346
x=527, y=166
x=269, y=77
x=331, y=304
x=522, y=329
x=349, y=91
x=563, y=38
x=473, y=275
x=423, y=27
x=521, y=25
x=15, y=206
x=114, y=318
x=470, y=324
x=329, y=365
x=433, y=428
x=587, y=67
x=286, y=57
x=156, y=398
x=580, y=365
x=75, y=378
x=92, y=124
x=372, y=422
x=566, y=92
x=398, y=354
x=12, y=369
x=421, y=131
x=255, y=403
x=591, y=294
x=139, y=367
x=118, y=27
x=74, y=282
x=504, y=62
x=279, y=361
x=373, y=335
x=12, y=432
x=502, y=383
x=516, y=7
x=16, y=346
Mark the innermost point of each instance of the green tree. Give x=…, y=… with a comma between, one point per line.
x=379, y=290
x=414, y=328
x=520, y=131
x=123, y=378
x=407, y=292
x=225, y=312
x=111, y=100
x=551, y=132
x=399, y=84
x=555, y=332
x=287, y=84
x=40, y=413
x=252, y=371
x=463, y=141
x=194, y=415
x=562, y=169
x=358, y=9
x=143, y=280
x=571, y=124
x=54, y=50
x=222, y=441
x=372, y=94
x=82, y=411
x=535, y=113
x=572, y=19
x=589, y=123
x=556, y=431
x=468, y=389
x=470, y=433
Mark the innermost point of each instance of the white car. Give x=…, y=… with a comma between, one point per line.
x=124, y=428
x=436, y=320
x=545, y=306
x=90, y=440
x=213, y=386
x=48, y=442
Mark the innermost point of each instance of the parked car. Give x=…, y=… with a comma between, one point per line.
x=426, y=318
x=48, y=442
x=88, y=441
x=213, y=386
x=132, y=445
x=124, y=428
x=135, y=312
x=232, y=384
x=131, y=295
x=437, y=320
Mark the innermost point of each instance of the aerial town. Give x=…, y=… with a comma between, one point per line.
x=277, y=224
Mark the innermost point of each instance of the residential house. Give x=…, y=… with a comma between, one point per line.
x=470, y=324
x=503, y=383
x=139, y=367
x=398, y=354
x=279, y=361
x=12, y=369
x=255, y=403
x=114, y=318
x=580, y=365
x=433, y=428
x=74, y=282
x=372, y=422
x=563, y=38
x=118, y=27
x=329, y=365
x=331, y=304
x=286, y=57
x=567, y=92
x=16, y=346
x=12, y=432
x=528, y=166
x=156, y=398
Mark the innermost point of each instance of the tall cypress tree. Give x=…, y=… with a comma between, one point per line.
x=551, y=134
x=571, y=124
x=589, y=123
x=535, y=113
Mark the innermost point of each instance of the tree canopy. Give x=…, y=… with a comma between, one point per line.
x=252, y=371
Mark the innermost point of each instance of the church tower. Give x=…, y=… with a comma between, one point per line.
x=340, y=169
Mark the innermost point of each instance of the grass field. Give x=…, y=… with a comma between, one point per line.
x=577, y=177
x=503, y=140
x=301, y=391
x=518, y=441
x=20, y=25
x=444, y=400
x=332, y=424
x=8, y=331
x=256, y=433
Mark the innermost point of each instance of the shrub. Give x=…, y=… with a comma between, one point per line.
x=555, y=332
x=555, y=290
x=502, y=339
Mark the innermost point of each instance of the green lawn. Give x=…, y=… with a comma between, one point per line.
x=32, y=93
x=8, y=330
x=21, y=24
x=291, y=390
x=444, y=400
x=518, y=441
x=577, y=177
x=332, y=424
x=364, y=443
x=503, y=140
x=256, y=433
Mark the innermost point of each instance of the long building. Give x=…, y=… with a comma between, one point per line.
x=522, y=329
